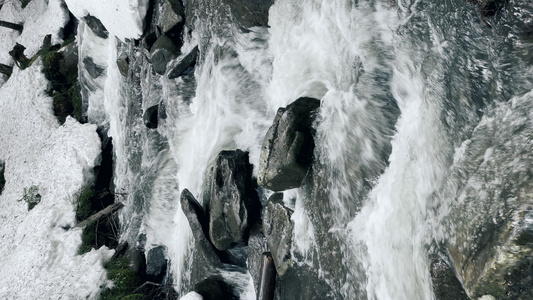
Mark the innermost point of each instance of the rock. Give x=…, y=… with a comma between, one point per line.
x=149, y=40
x=296, y=283
x=215, y=288
x=287, y=150
x=267, y=280
x=136, y=259
x=19, y=57
x=93, y=69
x=69, y=64
x=123, y=62
x=96, y=26
x=232, y=199
x=446, y=286
x=150, y=117
x=249, y=13
x=489, y=8
x=187, y=61
x=156, y=264
x=198, y=221
x=2, y=177
x=257, y=245
x=172, y=15
x=163, y=51
x=278, y=228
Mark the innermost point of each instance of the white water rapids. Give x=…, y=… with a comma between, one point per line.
x=401, y=87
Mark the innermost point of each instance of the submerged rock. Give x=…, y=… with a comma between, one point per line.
x=198, y=221
x=278, y=228
x=156, y=263
x=232, y=199
x=96, y=26
x=162, y=51
x=93, y=69
x=287, y=150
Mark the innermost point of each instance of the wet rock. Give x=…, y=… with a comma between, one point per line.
x=215, y=288
x=96, y=26
x=278, y=228
x=198, y=221
x=257, y=245
x=249, y=13
x=156, y=263
x=297, y=282
x=2, y=177
x=287, y=150
x=123, y=64
x=163, y=51
x=150, y=117
x=172, y=15
x=446, y=286
x=149, y=40
x=187, y=61
x=232, y=199
x=93, y=69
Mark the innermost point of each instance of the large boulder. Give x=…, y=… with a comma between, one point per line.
x=180, y=66
x=96, y=26
x=156, y=263
x=249, y=13
x=278, y=229
x=163, y=51
x=172, y=16
x=198, y=221
x=287, y=150
x=232, y=199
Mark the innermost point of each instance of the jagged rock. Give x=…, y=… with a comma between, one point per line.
x=287, y=150
x=172, y=15
x=278, y=228
x=187, y=61
x=123, y=64
x=257, y=245
x=93, y=69
x=250, y=13
x=96, y=26
x=232, y=199
x=156, y=263
x=198, y=221
x=215, y=288
x=150, y=117
x=446, y=286
x=162, y=51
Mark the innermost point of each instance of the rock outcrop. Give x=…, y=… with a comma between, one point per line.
x=278, y=228
x=231, y=198
x=287, y=150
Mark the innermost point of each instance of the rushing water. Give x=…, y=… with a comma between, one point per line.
x=403, y=89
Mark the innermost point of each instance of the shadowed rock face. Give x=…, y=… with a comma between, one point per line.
x=287, y=150
x=278, y=228
x=232, y=201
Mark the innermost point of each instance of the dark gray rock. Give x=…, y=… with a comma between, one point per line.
x=198, y=221
x=2, y=177
x=149, y=40
x=163, y=51
x=96, y=26
x=123, y=64
x=287, y=150
x=278, y=228
x=156, y=263
x=187, y=61
x=232, y=199
x=446, y=286
x=150, y=117
x=302, y=283
x=257, y=245
x=215, y=288
x=93, y=69
x=249, y=13
x=136, y=259
x=172, y=15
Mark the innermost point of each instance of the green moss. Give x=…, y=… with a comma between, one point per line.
x=125, y=281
